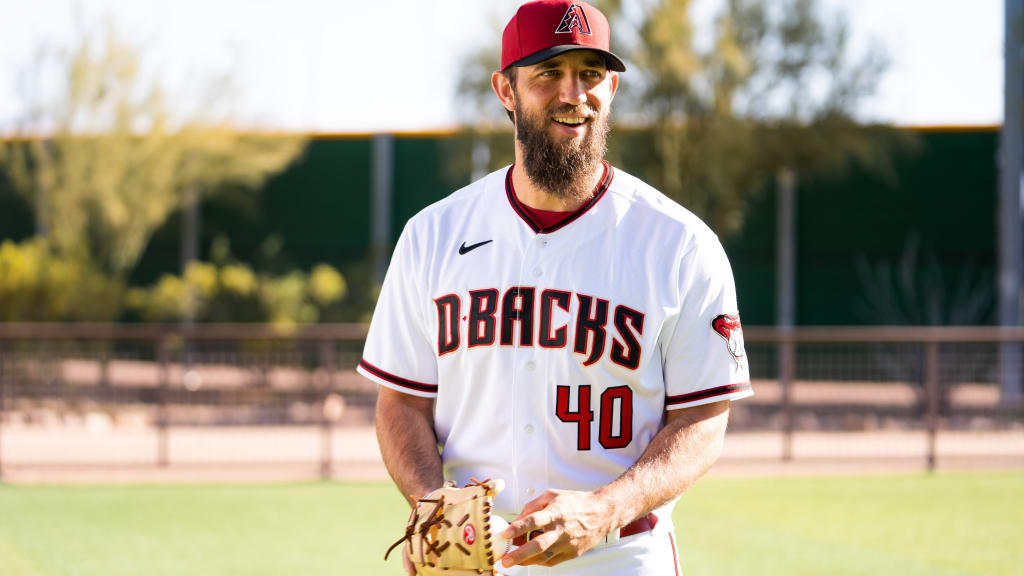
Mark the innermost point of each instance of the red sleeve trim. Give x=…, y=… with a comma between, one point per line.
x=397, y=380
x=709, y=393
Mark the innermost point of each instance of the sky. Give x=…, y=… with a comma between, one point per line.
x=353, y=66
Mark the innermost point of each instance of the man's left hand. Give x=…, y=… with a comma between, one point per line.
x=573, y=522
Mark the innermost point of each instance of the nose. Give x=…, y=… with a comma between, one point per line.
x=573, y=90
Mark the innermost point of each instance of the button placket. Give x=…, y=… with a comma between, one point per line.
x=531, y=439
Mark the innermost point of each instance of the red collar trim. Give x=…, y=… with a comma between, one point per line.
x=602, y=187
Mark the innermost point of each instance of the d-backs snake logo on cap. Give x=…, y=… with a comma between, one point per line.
x=728, y=327
x=576, y=18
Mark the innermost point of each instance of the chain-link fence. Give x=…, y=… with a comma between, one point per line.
x=122, y=397
x=926, y=396
x=254, y=398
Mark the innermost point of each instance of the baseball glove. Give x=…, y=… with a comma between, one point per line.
x=450, y=531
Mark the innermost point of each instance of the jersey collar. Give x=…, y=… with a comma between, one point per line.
x=602, y=187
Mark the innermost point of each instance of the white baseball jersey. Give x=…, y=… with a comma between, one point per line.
x=553, y=353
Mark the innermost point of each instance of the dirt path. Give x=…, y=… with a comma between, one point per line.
x=264, y=454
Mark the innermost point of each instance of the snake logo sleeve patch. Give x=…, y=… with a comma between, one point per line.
x=728, y=327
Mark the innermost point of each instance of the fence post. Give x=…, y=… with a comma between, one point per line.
x=3, y=414
x=326, y=353
x=105, y=368
x=931, y=386
x=787, y=359
x=163, y=415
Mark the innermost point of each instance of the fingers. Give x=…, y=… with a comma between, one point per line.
x=538, y=503
x=554, y=558
x=533, y=552
x=524, y=525
x=527, y=521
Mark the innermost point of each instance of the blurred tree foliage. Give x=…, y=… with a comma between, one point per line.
x=37, y=284
x=105, y=161
x=710, y=123
x=233, y=292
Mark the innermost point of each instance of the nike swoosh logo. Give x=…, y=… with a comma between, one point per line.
x=463, y=249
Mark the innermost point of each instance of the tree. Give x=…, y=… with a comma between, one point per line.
x=106, y=161
x=775, y=90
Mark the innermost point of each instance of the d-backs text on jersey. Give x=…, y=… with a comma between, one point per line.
x=534, y=318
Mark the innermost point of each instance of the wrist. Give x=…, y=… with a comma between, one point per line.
x=614, y=508
x=415, y=494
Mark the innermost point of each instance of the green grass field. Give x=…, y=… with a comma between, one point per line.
x=962, y=523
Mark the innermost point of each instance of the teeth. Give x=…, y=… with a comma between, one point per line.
x=570, y=120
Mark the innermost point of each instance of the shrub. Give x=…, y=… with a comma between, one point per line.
x=234, y=293
x=37, y=285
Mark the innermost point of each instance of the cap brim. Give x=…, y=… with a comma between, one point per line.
x=613, y=61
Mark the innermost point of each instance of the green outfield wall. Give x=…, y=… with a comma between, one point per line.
x=917, y=245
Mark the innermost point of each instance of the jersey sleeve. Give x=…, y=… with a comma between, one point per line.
x=398, y=353
x=703, y=354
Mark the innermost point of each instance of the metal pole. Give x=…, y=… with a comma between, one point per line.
x=105, y=365
x=785, y=294
x=163, y=412
x=190, y=233
x=931, y=387
x=787, y=358
x=380, y=217
x=1009, y=217
x=481, y=155
x=327, y=423
x=42, y=203
x=785, y=235
x=326, y=448
x=3, y=385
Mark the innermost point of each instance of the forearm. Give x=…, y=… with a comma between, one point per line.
x=679, y=454
x=408, y=445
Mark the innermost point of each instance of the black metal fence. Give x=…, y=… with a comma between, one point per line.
x=147, y=395
x=152, y=396
x=891, y=390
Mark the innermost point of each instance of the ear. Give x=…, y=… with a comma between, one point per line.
x=614, y=77
x=503, y=89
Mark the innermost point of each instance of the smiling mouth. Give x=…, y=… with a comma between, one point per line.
x=571, y=121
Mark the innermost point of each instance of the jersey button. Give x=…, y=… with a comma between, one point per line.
x=530, y=366
x=537, y=272
x=528, y=428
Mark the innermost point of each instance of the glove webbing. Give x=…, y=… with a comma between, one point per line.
x=437, y=517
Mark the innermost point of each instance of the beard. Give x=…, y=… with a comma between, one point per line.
x=563, y=168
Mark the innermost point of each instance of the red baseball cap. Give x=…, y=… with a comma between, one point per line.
x=546, y=28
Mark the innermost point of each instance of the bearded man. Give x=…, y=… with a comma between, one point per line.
x=559, y=325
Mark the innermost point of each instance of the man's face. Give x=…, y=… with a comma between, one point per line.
x=561, y=112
